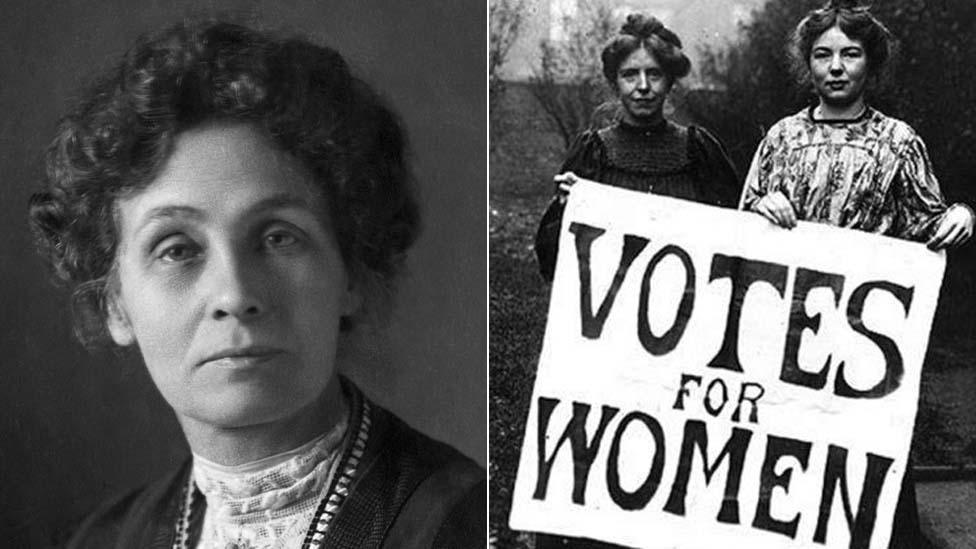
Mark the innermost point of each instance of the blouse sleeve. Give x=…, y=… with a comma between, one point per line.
x=585, y=156
x=757, y=179
x=720, y=184
x=918, y=202
x=583, y=159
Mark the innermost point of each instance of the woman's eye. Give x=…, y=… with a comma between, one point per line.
x=178, y=253
x=280, y=239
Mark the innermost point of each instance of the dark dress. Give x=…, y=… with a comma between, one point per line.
x=666, y=159
x=406, y=491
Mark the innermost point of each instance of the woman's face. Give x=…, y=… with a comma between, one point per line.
x=230, y=280
x=642, y=87
x=839, y=68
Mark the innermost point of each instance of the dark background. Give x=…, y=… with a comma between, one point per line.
x=75, y=426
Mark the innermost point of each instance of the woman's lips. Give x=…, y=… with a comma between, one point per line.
x=247, y=357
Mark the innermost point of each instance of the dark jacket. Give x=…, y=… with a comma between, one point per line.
x=410, y=492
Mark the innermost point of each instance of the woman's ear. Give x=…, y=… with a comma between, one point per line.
x=118, y=322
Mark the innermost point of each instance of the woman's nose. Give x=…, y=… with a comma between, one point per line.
x=836, y=66
x=642, y=82
x=236, y=287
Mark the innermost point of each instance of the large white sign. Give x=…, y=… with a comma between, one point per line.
x=709, y=380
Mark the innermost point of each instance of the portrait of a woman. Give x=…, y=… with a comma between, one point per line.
x=842, y=162
x=235, y=207
x=642, y=150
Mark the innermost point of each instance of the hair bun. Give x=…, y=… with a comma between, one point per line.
x=642, y=27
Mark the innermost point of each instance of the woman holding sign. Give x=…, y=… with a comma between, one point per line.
x=840, y=161
x=642, y=151
x=846, y=164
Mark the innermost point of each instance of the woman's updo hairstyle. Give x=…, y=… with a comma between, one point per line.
x=649, y=33
x=303, y=96
x=857, y=22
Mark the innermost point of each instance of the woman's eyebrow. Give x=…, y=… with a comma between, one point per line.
x=165, y=213
x=170, y=212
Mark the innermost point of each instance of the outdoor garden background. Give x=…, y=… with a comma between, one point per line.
x=740, y=87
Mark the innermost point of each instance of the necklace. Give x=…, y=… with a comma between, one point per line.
x=328, y=506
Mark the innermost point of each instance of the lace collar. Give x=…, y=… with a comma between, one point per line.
x=271, y=486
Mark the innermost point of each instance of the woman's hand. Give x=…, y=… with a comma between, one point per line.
x=955, y=228
x=565, y=182
x=777, y=208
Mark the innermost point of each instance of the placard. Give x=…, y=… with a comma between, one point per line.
x=709, y=380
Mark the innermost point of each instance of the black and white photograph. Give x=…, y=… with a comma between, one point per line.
x=244, y=269
x=731, y=274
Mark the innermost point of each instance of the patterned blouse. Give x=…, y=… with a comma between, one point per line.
x=871, y=174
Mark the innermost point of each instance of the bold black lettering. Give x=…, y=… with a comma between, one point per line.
x=666, y=343
x=592, y=325
x=735, y=449
x=679, y=401
x=754, y=413
x=637, y=499
x=806, y=280
x=708, y=397
x=861, y=525
x=894, y=366
x=777, y=447
x=744, y=273
x=584, y=452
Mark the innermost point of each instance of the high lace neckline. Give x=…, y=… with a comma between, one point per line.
x=265, y=503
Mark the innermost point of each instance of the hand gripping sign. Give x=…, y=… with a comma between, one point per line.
x=710, y=380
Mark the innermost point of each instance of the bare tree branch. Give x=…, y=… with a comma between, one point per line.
x=569, y=83
x=505, y=21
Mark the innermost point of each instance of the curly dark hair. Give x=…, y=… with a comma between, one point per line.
x=857, y=22
x=647, y=32
x=302, y=95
